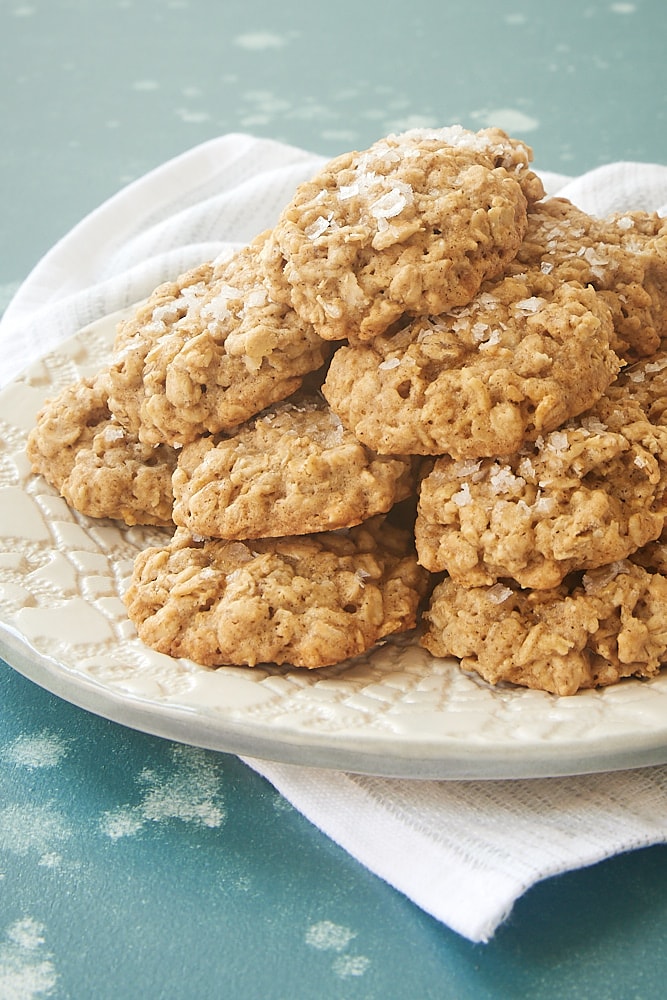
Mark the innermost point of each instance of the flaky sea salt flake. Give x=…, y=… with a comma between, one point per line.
x=389, y=364
x=530, y=305
x=593, y=425
x=256, y=298
x=503, y=480
x=113, y=433
x=498, y=593
x=389, y=205
x=595, y=257
x=318, y=227
x=466, y=467
x=595, y=580
x=544, y=506
x=167, y=313
x=656, y=366
x=491, y=341
x=557, y=441
x=346, y=191
x=464, y=497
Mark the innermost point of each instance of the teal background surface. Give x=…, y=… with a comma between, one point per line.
x=142, y=868
x=134, y=867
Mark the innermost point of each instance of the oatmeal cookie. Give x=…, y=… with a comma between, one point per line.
x=413, y=224
x=293, y=470
x=587, y=494
x=100, y=469
x=525, y=355
x=208, y=351
x=653, y=555
x=311, y=600
x=646, y=381
x=623, y=256
x=588, y=632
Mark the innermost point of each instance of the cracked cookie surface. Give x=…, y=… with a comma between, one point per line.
x=523, y=357
x=208, y=351
x=413, y=224
x=623, y=256
x=311, y=600
x=589, y=493
x=293, y=470
x=590, y=632
x=100, y=469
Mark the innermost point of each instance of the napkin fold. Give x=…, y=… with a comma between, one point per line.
x=463, y=851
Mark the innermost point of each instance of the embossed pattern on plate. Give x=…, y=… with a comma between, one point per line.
x=397, y=711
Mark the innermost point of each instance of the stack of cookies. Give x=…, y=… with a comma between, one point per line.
x=429, y=392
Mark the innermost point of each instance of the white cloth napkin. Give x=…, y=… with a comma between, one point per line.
x=462, y=851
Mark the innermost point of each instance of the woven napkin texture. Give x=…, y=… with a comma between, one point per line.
x=462, y=851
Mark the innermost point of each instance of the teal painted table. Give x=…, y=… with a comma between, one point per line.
x=133, y=867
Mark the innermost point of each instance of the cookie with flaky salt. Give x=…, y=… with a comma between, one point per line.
x=589, y=632
x=646, y=381
x=525, y=355
x=414, y=224
x=623, y=256
x=101, y=469
x=308, y=600
x=208, y=351
x=587, y=494
x=292, y=470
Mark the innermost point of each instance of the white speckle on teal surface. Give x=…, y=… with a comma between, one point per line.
x=190, y=791
x=27, y=972
x=267, y=101
x=26, y=828
x=40, y=750
x=145, y=85
x=340, y=135
x=232, y=880
x=191, y=117
x=24, y=10
x=52, y=859
x=263, y=106
x=623, y=8
x=325, y=935
x=510, y=119
x=405, y=122
x=26, y=933
x=310, y=110
x=346, y=966
x=515, y=19
x=328, y=936
x=122, y=822
x=258, y=41
x=252, y=121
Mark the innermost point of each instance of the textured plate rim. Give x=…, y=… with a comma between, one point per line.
x=376, y=755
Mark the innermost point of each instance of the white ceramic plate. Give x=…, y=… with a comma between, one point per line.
x=397, y=711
